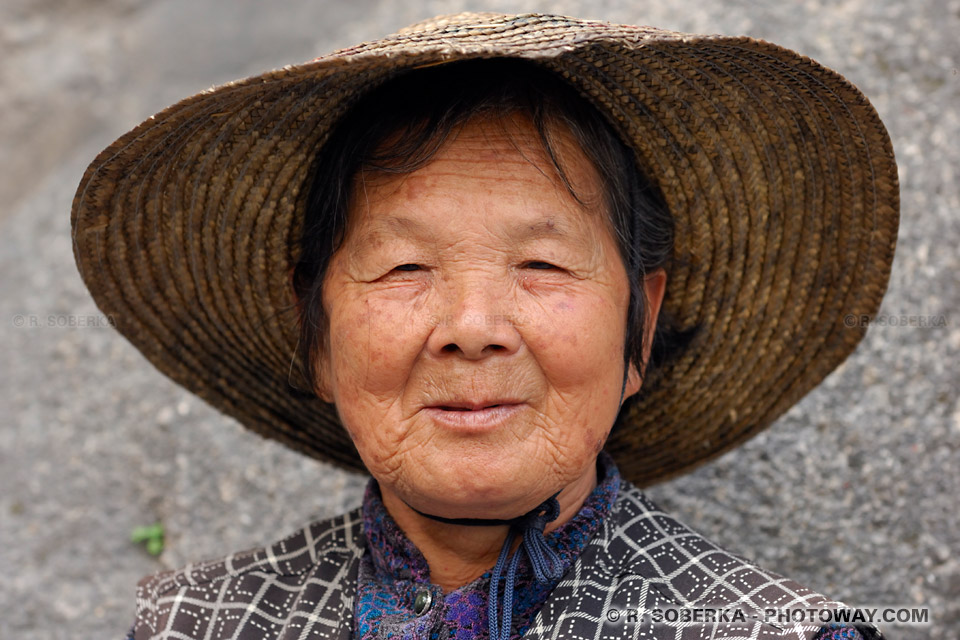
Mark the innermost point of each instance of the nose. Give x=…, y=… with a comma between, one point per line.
x=475, y=321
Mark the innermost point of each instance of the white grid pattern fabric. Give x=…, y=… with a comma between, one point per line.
x=640, y=561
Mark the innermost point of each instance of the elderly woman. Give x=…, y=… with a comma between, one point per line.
x=509, y=266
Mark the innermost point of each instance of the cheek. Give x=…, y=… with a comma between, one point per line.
x=373, y=347
x=575, y=337
x=578, y=343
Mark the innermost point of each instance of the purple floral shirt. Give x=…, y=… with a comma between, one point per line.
x=395, y=598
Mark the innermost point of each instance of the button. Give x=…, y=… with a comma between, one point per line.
x=423, y=601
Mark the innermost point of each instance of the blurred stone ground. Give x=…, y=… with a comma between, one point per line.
x=854, y=492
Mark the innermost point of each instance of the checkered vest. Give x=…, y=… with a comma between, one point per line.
x=644, y=575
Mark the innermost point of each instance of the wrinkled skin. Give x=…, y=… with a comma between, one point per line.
x=480, y=277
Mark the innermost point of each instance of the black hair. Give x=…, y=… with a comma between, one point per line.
x=399, y=127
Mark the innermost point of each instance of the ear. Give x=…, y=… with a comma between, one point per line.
x=654, y=286
x=322, y=366
x=321, y=360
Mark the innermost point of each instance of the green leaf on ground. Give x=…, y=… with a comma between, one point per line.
x=150, y=536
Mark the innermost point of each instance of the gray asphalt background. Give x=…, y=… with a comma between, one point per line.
x=854, y=492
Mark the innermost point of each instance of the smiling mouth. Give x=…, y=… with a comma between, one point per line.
x=491, y=406
x=474, y=418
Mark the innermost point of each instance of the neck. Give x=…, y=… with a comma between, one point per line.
x=459, y=554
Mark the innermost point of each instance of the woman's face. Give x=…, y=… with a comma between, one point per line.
x=477, y=318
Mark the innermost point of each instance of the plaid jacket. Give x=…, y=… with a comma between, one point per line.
x=643, y=575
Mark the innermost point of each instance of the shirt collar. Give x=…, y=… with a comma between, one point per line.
x=395, y=557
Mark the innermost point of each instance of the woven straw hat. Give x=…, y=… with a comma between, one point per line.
x=778, y=171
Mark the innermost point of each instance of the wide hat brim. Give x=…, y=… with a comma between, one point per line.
x=778, y=172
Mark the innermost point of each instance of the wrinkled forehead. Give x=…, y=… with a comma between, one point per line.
x=503, y=156
x=542, y=179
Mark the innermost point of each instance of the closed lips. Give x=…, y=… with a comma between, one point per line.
x=468, y=409
x=463, y=406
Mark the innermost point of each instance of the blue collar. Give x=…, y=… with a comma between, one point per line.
x=395, y=596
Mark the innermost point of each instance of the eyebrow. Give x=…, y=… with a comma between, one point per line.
x=409, y=227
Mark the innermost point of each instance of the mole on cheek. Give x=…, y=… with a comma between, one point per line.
x=591, y=442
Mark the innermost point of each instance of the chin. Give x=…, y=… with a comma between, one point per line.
x=465, y=486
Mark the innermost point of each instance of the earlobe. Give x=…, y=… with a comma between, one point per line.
x=321, y=381
x=634, y=382
x=654, y=287
x=324, y=395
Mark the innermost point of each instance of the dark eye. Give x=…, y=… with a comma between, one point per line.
x=535, y=264
x=407, y=267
